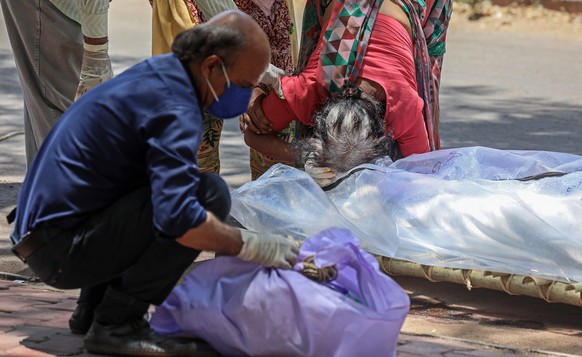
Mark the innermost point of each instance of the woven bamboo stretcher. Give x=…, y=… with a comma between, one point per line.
x=513, y=284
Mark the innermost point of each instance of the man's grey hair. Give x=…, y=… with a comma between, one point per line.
x=349, y=130
x=201, y=41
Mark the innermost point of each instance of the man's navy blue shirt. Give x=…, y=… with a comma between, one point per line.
x=141, y=128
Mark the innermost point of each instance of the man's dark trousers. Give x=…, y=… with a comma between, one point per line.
x=115, y=259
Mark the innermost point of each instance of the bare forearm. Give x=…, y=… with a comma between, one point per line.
x=214, y=236
x=271, y=145
x=95, y=41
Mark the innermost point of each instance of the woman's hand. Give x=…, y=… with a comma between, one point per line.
x=255, y=119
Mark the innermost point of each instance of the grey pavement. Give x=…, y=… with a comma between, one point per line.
x=512, y=91
x=499, y=89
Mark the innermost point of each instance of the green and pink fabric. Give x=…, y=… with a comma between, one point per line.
x=345, y=41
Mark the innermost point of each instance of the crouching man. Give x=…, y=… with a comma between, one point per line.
x=114, y=203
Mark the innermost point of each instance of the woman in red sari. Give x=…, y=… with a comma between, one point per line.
x=391, y=50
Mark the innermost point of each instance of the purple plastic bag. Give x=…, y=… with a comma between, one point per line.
x=241, y=308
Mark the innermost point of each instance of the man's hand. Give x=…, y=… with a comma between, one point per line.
x=271, y=250
x=323, y=176
x=255, y=119
x=95, y=69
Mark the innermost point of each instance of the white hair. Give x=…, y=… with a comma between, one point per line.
x=348, y=131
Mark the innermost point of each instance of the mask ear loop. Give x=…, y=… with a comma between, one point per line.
x=210, y=85
x=211, y=89
x=225, y=75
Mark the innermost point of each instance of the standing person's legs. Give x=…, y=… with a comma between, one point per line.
x=48, y=50
x=208, y=152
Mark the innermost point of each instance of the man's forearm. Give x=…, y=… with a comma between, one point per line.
x=214, y=236
x=271, y=145
x=95, y=40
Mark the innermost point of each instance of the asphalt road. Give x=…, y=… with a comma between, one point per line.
x=512, y=91
x=507, y=91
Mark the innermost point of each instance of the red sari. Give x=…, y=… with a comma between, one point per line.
x=389, y=62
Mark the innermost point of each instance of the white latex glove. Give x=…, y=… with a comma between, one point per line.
x=271, y=250
x=95, y=69
x=323, y=176
x=209, y=8
x=272, y=78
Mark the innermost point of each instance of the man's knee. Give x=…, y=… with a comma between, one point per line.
x=214, y=195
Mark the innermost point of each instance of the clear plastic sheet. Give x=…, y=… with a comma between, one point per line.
x=471, y=208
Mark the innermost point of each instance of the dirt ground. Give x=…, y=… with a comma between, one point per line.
x=517, y=19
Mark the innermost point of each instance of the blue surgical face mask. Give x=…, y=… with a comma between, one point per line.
x=233, y=102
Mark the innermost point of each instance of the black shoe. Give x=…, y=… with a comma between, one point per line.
x=82, y=318
x=134, y=338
